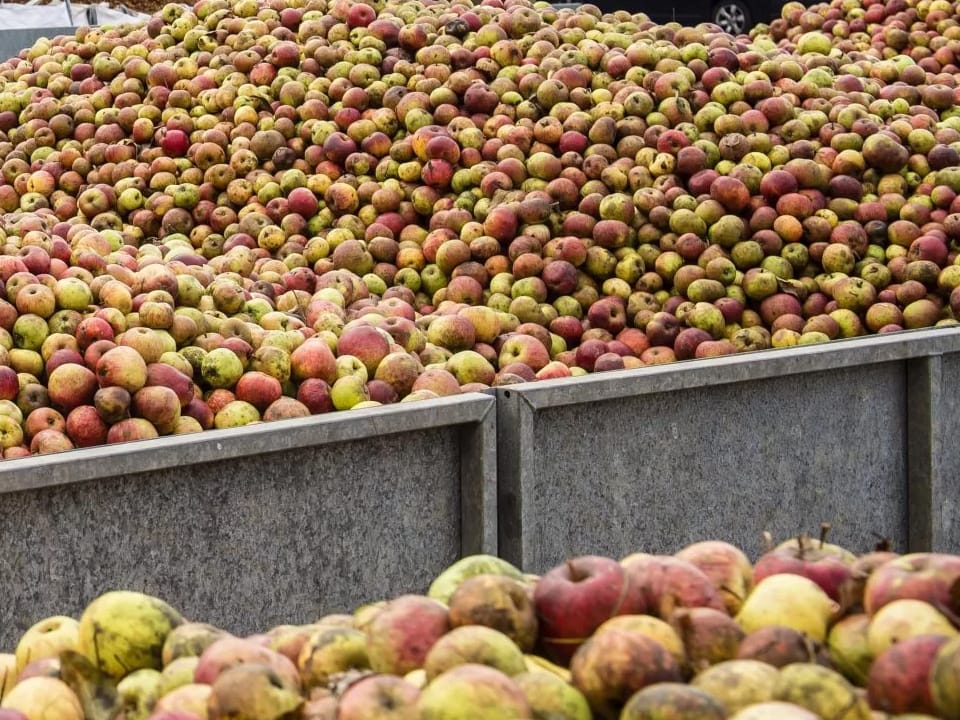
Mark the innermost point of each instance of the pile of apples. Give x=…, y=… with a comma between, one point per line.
x=808, y=632
x=248, y=210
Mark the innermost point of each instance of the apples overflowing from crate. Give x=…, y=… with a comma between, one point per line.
x=246, y=211
x=810, y=631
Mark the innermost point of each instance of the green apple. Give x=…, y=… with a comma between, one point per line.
x=251, y=692
x=738, y=683
x=473, y=692
x=11, y=431
x=474, y=644
x=350, y=365
x=331, y=651
x=122, y=631
x=29, y=332
x=73, y=294
x=469, y=366
x=789, y=600
x=236, y=414
x=138, y=693
x=447, y=582
x=221, y=368
x=550, y=696
x=177, y=673
x=51, y=635
x=348, y=391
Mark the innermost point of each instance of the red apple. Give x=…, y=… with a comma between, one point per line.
x=608, y=313
x=258, y=389
x=827, y=570
x=71, y=385
x=122, y=366
x=727, y=567
x=379, y=697
x=314, y=359
x=613, y=665
x=931, y=577
x=9, y=383
x=168, y=376
x=50, y=441
x=284, y=408
x=199, y=411
x=574, y=599
x=525, y=349
x=160, y=405
x=851, y=594
x=588, y=352
x=228, y=652
x=402, y=633
x=131, y=429
x=366, y=343
x=669, y=583
x=899, y=678
x=85, y=427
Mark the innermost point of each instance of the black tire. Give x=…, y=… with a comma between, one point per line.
x=732, y=16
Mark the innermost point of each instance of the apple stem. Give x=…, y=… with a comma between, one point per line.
x=575, y=575
x=883, y=543
x=801, y=547
x=737, y=595
x=767, y=541
x=96, y=643
x=667, y=605
x=825, y=529
x=684, y=623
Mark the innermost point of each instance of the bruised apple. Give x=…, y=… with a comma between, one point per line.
x=574, y=599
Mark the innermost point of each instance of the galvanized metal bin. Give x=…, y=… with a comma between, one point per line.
x=252, y=527
x=281, y=522
x=13, y=40
x=859, y=433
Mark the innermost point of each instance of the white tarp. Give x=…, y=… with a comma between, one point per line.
x=60, y=15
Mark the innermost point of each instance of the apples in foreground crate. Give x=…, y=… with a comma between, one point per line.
x=808, y=631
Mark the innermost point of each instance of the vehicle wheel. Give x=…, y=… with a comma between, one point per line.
x=732, y=16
